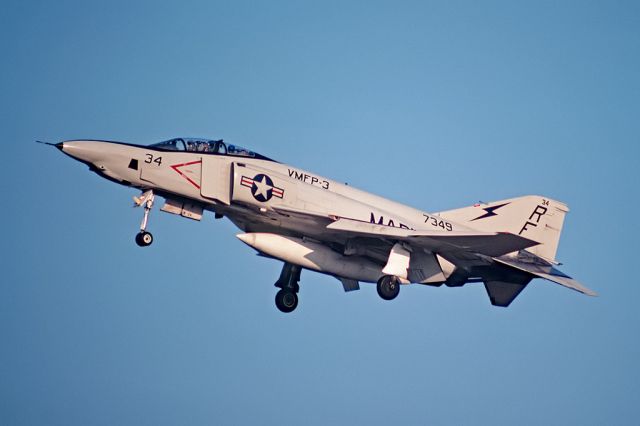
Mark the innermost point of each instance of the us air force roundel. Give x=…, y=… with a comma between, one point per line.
x=262, y=187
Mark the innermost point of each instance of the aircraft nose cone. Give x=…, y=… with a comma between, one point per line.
x=85, y=151
x=70, y=147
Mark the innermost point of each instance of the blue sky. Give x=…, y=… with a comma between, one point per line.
x=434, y=104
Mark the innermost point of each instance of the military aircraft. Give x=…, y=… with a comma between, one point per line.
x=311, y=222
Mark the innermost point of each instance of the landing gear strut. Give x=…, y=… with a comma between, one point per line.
x=287, y=297
x=388, y=287
x=144, y=238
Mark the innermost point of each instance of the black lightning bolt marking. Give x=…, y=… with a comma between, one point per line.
x=490, y=211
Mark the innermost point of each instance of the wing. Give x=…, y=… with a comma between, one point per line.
x=487, y=243
x=307, y=217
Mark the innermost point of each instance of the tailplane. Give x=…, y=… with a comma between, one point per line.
x=534, y=217
x=547, y=272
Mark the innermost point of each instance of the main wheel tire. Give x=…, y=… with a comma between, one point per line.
x=286, y=300
x=388, y=287
x=144, y=238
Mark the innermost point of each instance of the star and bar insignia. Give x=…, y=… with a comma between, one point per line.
x=262, y=187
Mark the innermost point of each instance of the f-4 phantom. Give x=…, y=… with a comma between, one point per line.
x=311, y=222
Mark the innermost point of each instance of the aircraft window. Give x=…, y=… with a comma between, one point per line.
x=206, y=146
x=203, y=145
x=172, y=144
x=240, y=151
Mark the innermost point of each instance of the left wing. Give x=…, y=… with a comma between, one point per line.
x=487, y=243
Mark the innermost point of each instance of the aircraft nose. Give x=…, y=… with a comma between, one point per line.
x=85, y=151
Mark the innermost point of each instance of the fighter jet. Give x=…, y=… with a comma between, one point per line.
x=311, y=222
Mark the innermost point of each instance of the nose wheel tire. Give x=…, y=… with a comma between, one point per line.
x=144, y=238
x=286, y=301
x=388, y=287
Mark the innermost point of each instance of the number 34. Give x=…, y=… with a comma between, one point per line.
x=150, y=159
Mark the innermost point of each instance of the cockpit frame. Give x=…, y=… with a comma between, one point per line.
x=206, y=146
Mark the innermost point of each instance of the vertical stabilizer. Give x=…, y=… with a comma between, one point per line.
x=534, y=217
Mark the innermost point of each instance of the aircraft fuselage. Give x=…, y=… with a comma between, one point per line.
x=312, y=222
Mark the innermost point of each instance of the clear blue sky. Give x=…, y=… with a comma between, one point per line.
x=435, y=104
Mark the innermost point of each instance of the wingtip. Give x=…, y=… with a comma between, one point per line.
x=584, y=290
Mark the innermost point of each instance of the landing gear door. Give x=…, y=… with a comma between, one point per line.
x=216, y=178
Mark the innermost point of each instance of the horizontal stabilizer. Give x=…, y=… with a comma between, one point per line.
x=486, y=243
x=550, y=273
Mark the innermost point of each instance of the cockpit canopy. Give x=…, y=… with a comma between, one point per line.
x=206, y=146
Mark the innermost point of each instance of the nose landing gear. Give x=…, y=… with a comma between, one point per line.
x=144, y=238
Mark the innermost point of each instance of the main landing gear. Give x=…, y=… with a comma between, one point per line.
x=144, y=238
x=287, y=297
x=286, y=300
x=388, y=287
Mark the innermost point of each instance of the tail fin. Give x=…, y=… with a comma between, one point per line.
x=534, y=217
